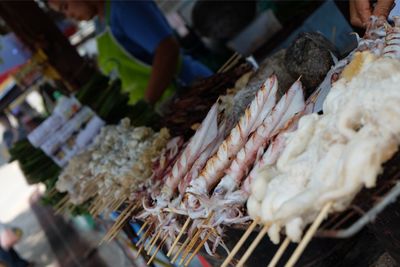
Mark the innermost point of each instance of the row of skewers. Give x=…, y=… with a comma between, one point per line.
x=326, y=161
x=290, y=165
x=224, y=171
x=196, y=198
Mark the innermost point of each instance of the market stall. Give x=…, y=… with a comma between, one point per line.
x=301, y=144
x=198, y=189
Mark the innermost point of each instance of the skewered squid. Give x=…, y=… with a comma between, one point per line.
x=329, y=158
x=249, y=122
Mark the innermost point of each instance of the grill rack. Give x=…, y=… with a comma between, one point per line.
x=367, y=204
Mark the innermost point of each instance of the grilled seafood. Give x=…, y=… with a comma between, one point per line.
x=330, y=157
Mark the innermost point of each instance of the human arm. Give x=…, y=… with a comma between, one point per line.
x=164, y=67
x=145, y=28
x=361, y=11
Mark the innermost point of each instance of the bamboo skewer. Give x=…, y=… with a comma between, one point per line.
x=142, y=228
x=118, y=224
x=138, y=206
x=122, y=218
x=240, y=243
x=139, y=251
x=222, y=68
x=144, y=236
x=178, y=237
x=102, y=207
x=142, y=241
x=96, y=209
x=63, y=206
x=116, y=232
x=180, y=250
x=307, y=237
x=154, y=243
x=106, y=204
x=61, y=202
x=198, y=248
x=146, y=247
x=137, y=244
x=231, y=61
x=52, y=192
x=253, y=245
x=58, y=211
x=158, y=249
x=191, y=243
x=91, y=210
x=112, y=204
x=189, y=247
x=92, y=206
x=117, y=204
x=195, y=238
x=108, y=235
x=279, y=253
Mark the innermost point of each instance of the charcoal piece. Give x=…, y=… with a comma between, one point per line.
x=310, y=56
x=274, y=64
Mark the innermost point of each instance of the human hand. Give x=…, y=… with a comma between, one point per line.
x=361, y=11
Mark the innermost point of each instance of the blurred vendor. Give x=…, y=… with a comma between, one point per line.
x=139, y=44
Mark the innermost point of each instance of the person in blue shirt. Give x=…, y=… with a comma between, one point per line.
x=141, y=30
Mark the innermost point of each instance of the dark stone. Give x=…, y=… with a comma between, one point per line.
x=309, y=56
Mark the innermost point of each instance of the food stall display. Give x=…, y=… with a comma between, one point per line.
x=237, y=150
x=117, y=162
x=292, y=163
x=330, y=158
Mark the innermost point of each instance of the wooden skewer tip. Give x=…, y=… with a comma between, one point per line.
x=198, y=248
x=309, y=234
x=253, y=245
x=279, y=253
x=178, y=237
x=240, y=243
x=142, y=228
x=158, y=249
x=154, y=242
x=180, y=250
